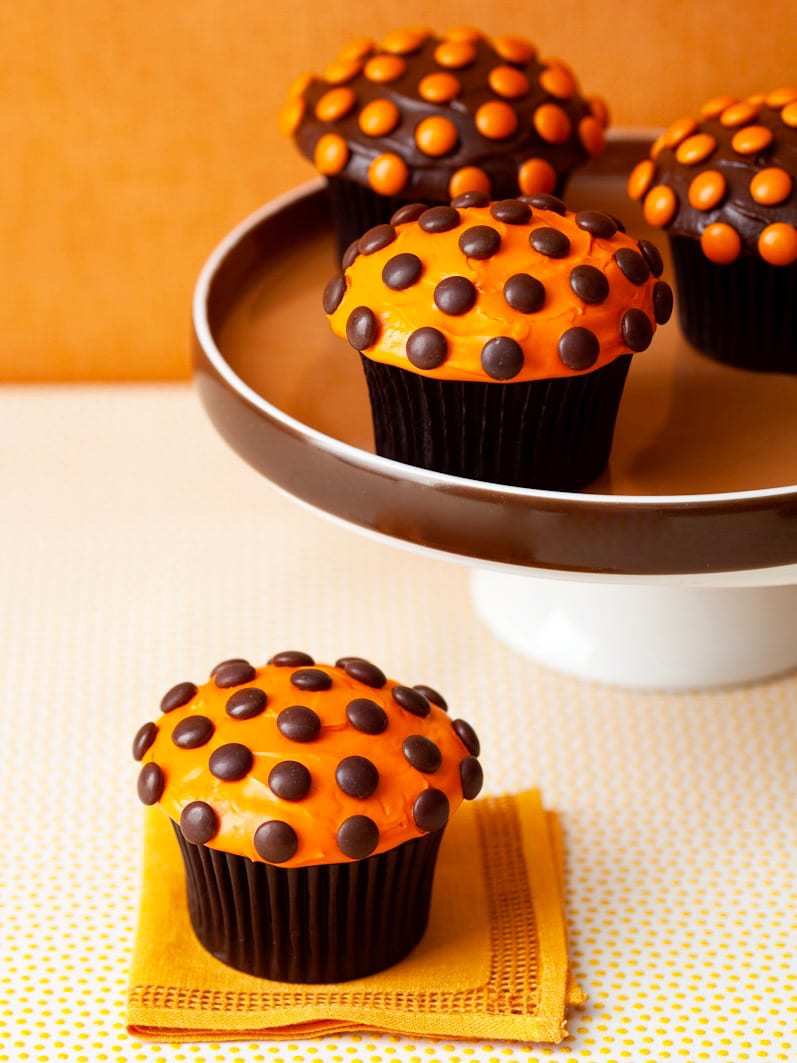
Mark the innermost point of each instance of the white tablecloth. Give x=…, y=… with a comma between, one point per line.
x=136, y=550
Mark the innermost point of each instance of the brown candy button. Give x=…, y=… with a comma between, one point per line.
x=233, y=674
x=471, y=777
x=178, y=696
x=455, y=295
x=496, y=120
x=502, y=358
x=632, y=265
x=524, y=293
x=291, y=659
x=468, y=737
x=409, y=212
x=508, y=81
x=480, y=242
x=536, y=175
x=299, y=724
x=550, y=242
x=275, y=841
x=436, y=136
x=402, y=271
x=366, y=716
x=357, y=837
x=145, y=736
x=151, y=782
x=289, y=780
x=411, y=700
x=350, y=254
x=430, y=810
x=247, y=703
x=636, y=329
x=378, y=118
x=432, y=695
x=362, y=328
x=590, y=284
x=422, y=753
x=578, y=348
x=388, y=174
x=376, y=238
x=470, y=199
x=311, y=679
x=662, y=302
x=193, y=732
x=439, y=88
x=652, y=256
x=545, y=201
x=511, y=211
x=357, y=777
x=231, y=762
x=439, y=219
x=363, y=671
x=596, y=223
x=333, y=294
x=199, y=823
x=427, y=347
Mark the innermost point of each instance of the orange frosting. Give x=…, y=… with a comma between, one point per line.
x=400, y=313
x=242, y=805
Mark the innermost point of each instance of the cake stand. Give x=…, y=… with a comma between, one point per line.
x=678, y=569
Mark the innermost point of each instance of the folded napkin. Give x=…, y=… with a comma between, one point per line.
x=493, y=963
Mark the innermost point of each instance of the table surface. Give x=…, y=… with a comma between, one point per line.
x=136, y=550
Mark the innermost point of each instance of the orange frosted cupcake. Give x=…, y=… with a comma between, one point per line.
x=496, y=337
x=309, y=802
x=723, y=187
x=421, y=117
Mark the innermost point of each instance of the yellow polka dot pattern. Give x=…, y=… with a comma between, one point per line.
x=678, y=810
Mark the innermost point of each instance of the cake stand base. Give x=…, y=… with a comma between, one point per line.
x=642, y=635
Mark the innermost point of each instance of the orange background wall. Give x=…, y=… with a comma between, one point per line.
x=136, y=132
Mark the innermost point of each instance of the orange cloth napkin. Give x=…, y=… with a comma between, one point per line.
x=493, y=963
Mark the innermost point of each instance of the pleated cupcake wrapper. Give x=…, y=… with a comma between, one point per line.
x=355, y=208
x=328, y=923
x=743, y=314
x=551, y=434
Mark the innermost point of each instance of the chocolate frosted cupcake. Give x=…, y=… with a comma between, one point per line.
x=431, y=118
x=722, y=185
x=496, y=338
x=309, y=802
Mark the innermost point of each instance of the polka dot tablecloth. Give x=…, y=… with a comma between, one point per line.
x=136, y=550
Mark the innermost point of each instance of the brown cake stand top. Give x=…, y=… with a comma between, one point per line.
x=703, y=478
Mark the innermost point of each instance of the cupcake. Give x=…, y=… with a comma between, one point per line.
x=308, y=802
x=496, y=337
x=722, y=185
x=419, y=117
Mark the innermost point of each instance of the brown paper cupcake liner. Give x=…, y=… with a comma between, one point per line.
x=549, y=434
x=328, y=923
x=743, y=314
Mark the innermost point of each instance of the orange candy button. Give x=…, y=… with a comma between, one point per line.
x=695, y=149
x=590, y=133
x=751, y=139
x=357, y=49
x=599, y=109
x=383, y=68
x=640, y=179
x=507, y=81
x=331, y=153
x=678, y=131
x=342, y=70
x=291, y=115
x=777, y=244
x=789, y=114
x=466, y=34
x=514, y=49
x=770, y=186
x=660, y=206
x=714, y=107
x=535, y=176
x=379, y=117
x=335, y=104
x=469, y=179
x=438, y=88
x=558, y=82
x=658, y=146
x=551, y=123
x=707, y=189
x=402, y=42
x=496, y=120
x=738, y=114
x=720, y=243
x=388, y=174
x=780, y=97
x=454, y=54
x=299, y=84
x=436, y=135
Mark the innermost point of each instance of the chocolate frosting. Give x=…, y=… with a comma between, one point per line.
x=576, y=125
